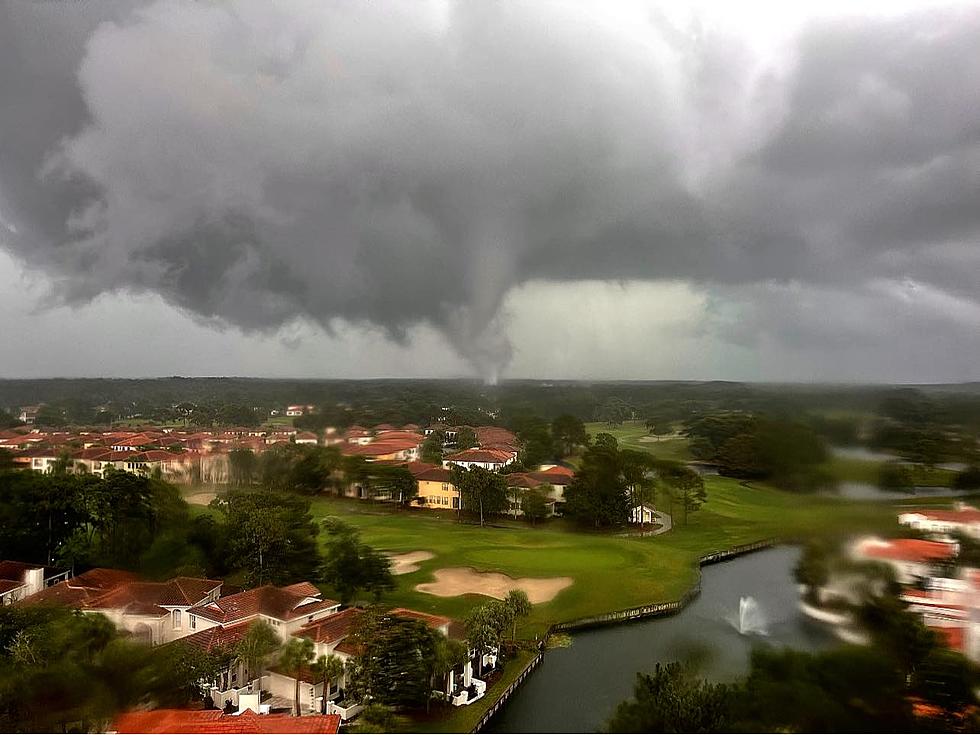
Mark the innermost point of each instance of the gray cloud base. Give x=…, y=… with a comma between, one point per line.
x=383, y=163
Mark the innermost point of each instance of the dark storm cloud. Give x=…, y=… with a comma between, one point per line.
x=392, y=164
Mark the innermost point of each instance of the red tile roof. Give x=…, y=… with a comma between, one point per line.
x=215, y=721
x=966, y=515
x=480, y=455
x=217, y=637
x=332, y=628
x=908, y=549
x=149, y=598
x=436, y=621
x=435, y=474
x=274, y=602
x=85, y=587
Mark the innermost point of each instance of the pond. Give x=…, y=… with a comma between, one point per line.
x=867, y=491
x=577, y=688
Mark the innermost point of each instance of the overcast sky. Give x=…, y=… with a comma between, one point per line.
x=518, y=189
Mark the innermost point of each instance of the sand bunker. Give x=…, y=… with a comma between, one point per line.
x=454, y=581
x=408, y=562
x=201, y=498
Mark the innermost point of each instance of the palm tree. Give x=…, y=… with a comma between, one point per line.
x=519, y=605
x=449, y=654
x=328, y=668
x=297, y=654
x=255, y=647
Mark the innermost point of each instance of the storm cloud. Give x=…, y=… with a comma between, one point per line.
x=404, y=164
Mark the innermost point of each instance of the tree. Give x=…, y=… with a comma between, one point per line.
x=399, y=483
x=968, y=479
x=686, y=483
x=465, y=438
x=519, y=606
x=329, y=669
x=394, y=663
x=432, y=447
x=534, y=505
x=485, y=626
x=480, y=490
x=536, y=442
x=256, y=646
x=241, y=467
x=672, y=700
x=375, y=718
x=598, y=494
x=813, y=569
x=449, y=653
x=271, y=536
x=294, y=658
x=568, y=433
x=896, y=476
x=350, y=565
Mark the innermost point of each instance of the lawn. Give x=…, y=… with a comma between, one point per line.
x=610, y=572
x=848, y=469
x=634, y=435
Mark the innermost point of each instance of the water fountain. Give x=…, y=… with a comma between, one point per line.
x=750, y=617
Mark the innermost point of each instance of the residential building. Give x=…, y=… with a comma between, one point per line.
x=435, y=489
x=216, y=721
x=19, y=580
x=963, y=519
x=488, y=459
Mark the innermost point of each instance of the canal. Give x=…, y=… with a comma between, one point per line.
x=577, y=688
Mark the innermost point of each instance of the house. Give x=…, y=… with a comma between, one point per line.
x=328, y=636
x=388, y=450
x=963, y=519
x=19, y=580
x=295, y=410
x=518, y=483
x=642, y=514
x=435, y=488
x=216, y=721
x=155, y=612
x=488, y=459
x=286, y=609
x=912, y=559
x=28, y=414
x=306, y=437
x=78, y=590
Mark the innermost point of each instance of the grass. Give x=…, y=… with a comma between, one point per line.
x=847, y=469
x=634, y=435
x=610, y=572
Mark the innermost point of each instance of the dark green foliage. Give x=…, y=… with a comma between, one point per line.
x=568, y=433
x=672, y=700
x=482, y=492
x=896, y=476
x=82, y=519
x=850, y=689
x=968, y=479
x=394, y=667
x=465, y=438
x=534, y=506
x=350, y=565
x=432, y=447
x=752, y=446
x=536, y=443
x=242, y=467
x=598, y=494
x=270, y=536
x=62, y=670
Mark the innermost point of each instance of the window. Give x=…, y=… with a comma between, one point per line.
x=176, y=619
x=191, y=620
x=445, y=487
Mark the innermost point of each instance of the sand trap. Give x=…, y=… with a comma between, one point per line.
x=408, y=562
x=203, y=498
x=454, y=581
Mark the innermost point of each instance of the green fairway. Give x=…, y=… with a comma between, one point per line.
x=847, y=469
x=611, y=572
x=634, y=435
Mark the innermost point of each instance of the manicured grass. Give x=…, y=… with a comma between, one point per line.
x=847, y=469
x=611, y=572
x=634, y=435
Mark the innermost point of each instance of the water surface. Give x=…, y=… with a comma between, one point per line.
x=576, y=689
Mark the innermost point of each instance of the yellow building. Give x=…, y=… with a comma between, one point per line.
x=435, y=489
